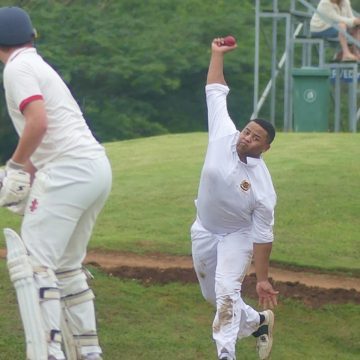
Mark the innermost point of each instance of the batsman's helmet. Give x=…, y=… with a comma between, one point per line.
x=15, y=27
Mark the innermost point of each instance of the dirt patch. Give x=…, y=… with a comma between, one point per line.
x=312, y=288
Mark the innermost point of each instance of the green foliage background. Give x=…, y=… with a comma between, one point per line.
x=137, y=68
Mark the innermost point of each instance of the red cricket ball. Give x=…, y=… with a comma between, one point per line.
x=229, y=41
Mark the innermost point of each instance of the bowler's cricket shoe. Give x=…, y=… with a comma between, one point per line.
x=264, y=335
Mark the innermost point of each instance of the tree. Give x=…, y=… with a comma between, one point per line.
x=138, y=68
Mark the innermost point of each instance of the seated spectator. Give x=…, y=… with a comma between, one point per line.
x=338, y=12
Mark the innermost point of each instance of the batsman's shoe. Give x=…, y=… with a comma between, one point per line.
x=224, y=355
x=264, y=335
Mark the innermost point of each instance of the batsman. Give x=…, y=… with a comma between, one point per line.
x=58, y=178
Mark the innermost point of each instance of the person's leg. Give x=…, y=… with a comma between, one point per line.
x=79, y=325
x=79, y=321
x=347, y=55
x=45, y=228
x=330, y=33
x=58, y=199
x=355, y=32
x=204, y=253
x=233, y=315
x=96, y=193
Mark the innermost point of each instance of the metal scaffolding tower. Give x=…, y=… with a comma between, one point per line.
x=296, y=23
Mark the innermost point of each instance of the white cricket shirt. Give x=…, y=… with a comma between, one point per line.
x=27, y=77
x=334, y=13
x=233, y=196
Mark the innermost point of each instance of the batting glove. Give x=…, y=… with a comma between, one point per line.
x=15, y=184
x=19, y=209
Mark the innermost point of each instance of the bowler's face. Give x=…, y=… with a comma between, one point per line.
x=253, y=141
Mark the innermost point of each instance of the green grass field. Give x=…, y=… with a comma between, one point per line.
x=151, y=209
x=174, y=322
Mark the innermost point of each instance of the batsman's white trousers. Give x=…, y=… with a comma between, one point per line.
x=221, y=263
x=65, y=200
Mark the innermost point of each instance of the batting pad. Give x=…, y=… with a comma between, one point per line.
x=77, y=303
x=22, y=277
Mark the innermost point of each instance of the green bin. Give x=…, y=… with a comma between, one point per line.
x=311, y=99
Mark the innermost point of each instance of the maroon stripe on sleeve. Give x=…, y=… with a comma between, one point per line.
x=28, y=101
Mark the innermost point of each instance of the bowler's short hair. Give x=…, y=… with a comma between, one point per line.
x=268, y=127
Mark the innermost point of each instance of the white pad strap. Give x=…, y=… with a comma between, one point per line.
x=67, y=274
x=86, y=340
x=22, y=276
x=70, y=273
x=79, y=298
x=49, y=293
x=55, y=336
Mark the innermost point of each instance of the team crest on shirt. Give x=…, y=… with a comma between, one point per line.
x=245, y=185
x=34, y=205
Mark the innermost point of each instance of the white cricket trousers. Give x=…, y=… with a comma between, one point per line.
x=64, y=202
x=221, y=263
